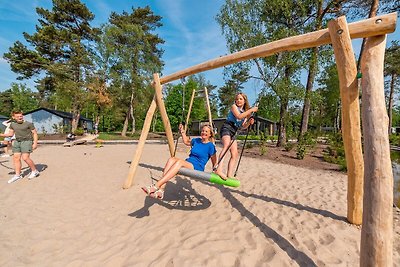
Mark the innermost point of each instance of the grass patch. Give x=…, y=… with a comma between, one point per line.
x=117, y=136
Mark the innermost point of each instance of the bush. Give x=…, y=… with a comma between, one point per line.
x=334, y=153
x=289, y=146
x=301, y=151
x=79, y=131
x=394, y=139
x=307, y=142
x=263, y=144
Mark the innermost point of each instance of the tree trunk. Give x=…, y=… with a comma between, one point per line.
x=390, y=106
x=310, y=79
x=307, y=97
x=282, y=123
x=126, y=122
x=132, y=115
x=338, y=118
x=75, y=120
x=372, y=13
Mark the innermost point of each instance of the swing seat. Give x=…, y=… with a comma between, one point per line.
x=210, y=177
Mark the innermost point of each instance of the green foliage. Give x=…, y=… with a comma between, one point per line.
x=129, y=54
x=335, y=151
x=79, y=131
x=61, y=129
x=394, y=139
x=59, y=50
x=117, y=136
x=268, y=106
x=249, y=23
x=236, y=75
x=177, y=100
x=301, y=151
x=249, y=137
x=329, y=93
x=392, y=72
x=18, y=97
x=305, y=144
x=289, y=146
x=263, y=143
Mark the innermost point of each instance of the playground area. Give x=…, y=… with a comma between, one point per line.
x=76, y=214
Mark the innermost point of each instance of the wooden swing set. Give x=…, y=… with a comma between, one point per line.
x=370, y=178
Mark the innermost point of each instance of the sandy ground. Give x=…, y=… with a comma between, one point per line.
x=76, y=214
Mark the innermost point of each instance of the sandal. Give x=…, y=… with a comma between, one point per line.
x=153, y=191
x=159, y=194
x=150, y=189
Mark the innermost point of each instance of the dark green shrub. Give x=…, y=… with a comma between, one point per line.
x=79, y=131
x=334, y=153
x=289, y=146
x=307, y=142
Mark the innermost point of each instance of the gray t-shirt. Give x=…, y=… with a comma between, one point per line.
x=23, y=131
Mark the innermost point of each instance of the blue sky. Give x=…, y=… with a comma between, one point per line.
x=191, y=34
x=189, y=29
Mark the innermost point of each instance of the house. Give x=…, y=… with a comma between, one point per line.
x=262, y=125
x=2, y=119
x=50, y=121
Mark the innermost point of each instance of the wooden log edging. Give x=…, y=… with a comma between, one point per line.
x=351, y=130
x=377, y=229
x=361, y=29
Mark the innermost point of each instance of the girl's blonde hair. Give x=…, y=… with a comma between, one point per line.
x=212, y=137
x=246, y=105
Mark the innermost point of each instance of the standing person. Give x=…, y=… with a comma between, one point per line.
x=96, y=128
x=202, y=150
x=238, y=116
x=25, y=142
x=7, y=140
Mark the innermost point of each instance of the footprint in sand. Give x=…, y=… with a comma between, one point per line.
x=326, y=239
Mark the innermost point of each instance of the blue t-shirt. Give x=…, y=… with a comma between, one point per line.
x=200, y=153
x=232, y=118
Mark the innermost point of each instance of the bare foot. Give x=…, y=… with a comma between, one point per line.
x=221, y=175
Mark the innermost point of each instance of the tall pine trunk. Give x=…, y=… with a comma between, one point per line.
x=133, y=117
x=309, y=88
x=372, y=13
x=126, y=122
x=310, y=79
x=75, y=120
x=390, y=106
x=282, y=123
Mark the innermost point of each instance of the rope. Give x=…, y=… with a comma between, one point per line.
x=254, y=116
x=225, y=151
x=183, y=113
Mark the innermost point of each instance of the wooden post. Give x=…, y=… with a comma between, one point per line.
x=142, y=141
x=190, y=109
x=210, y=120
x=377, y=228
x=163, y=112
x=351, y=130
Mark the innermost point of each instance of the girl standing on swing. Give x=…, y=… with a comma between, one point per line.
x=239, y=116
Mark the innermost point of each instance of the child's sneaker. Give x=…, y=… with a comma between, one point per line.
x=33, y=174
x=14, y=178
